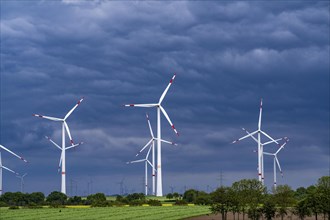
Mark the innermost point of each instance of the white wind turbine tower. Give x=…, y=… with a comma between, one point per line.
x=146, y=162
x=159, y=154
x=276, y=160
x=63, y=148
x=260, y=147
x=22, y=181
x=152, y=143
x=3, y=167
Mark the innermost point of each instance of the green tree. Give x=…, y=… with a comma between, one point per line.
x=169, y=196
x=190, y=195
x=221, y=202
x=249, y=194
x=301, y=209
x=76, y=200
x=136, y=196
x=37, y=198
x=253, y=191
x=314, y=200
x=56, y=199
x=97, y=200
x=323, y=189
x=269, y=207
x=300, y=193
x=176, y=195
x=203, y=198
x=284, y=197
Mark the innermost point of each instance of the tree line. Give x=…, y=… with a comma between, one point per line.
x=246, y=198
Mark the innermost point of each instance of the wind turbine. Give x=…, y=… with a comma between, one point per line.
x=159, y=154
x=276, y=160
x=6, y=168
x=66, y=148
x=146, y=162
x=152, y=141
x=22, y=181
x=260, y=146
x=63, y=148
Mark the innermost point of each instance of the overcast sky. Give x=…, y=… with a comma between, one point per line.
x=227, y=56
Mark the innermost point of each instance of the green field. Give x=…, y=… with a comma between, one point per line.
x=113, y=213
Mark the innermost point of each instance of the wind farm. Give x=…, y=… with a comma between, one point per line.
x=175, y=104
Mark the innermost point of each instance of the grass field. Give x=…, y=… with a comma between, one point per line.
x=113, y=213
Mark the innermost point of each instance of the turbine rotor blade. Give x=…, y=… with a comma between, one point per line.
x=151, y=165
x=264, y=133
x=260, y=113
x=137, y=161
x=13, y=153
x=149, y=142
x=60, y=163
x=278, y=164
x=168, y=142
x=282, y=146
x=141, y=105
x=70, y=112
x=269, y=142
x=6, y=168
x=255, y=139
x=168, y=119
x=151, y=132
x=148, y=152
x=165, y=91
x=68, y=131
x=48, y=138
x=268, y=153
x=47, y=117
x=76, y=145
x=245, y=137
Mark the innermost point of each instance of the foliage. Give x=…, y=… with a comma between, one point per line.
x=169, y=196
x=136, y=196
x=154, y=202
x=97, y=200
x=284, y=198
x=190, y=195
x=195, y=196
x=176, y=195
x=221, y=201
x=181, y=202
x=301, y=209
x=269, y=207
x=323, y=190
x=13, y=207
x=56, y=199
x=37, y=198
x=76, y=200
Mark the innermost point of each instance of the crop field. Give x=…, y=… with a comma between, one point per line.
x=113, y=213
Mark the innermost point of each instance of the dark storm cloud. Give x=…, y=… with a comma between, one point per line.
x=227, y=55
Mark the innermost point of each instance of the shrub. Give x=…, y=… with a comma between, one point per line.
x=154, y=202
x=180, y=202
x=13, y=207
x=136, y=202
